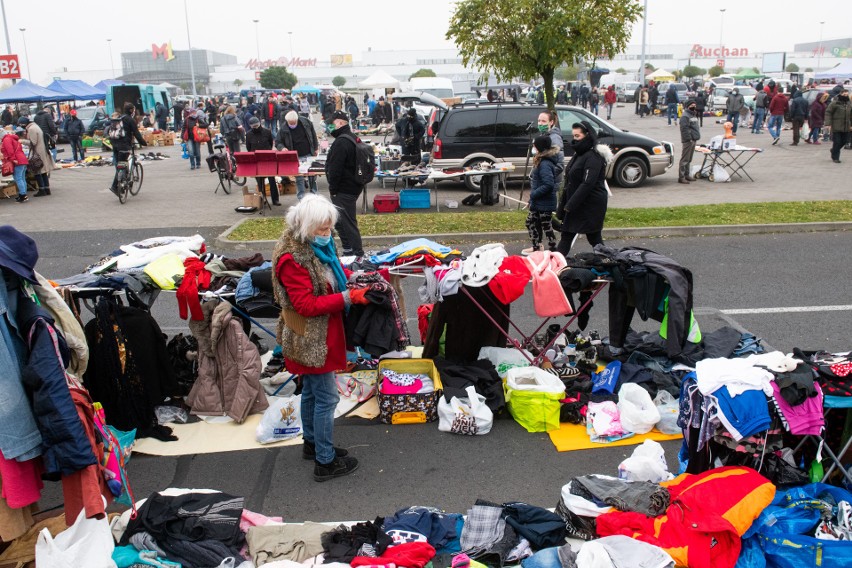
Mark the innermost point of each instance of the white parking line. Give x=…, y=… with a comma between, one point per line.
x=791, y=309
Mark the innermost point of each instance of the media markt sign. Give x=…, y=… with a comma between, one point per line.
x=288, y=62
x=164, y=51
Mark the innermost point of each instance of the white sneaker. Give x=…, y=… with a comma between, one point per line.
x=530, y=250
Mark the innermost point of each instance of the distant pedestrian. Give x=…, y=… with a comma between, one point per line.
x=643, y=102
x=594, y=101
x=777, y=109
x=259, y=138
x=584, y=95
x=689, y=136
x=13, y=152
x=798, y=114
x=410, y=131
x=671, y=103
x=161, y=115
x=232, y=129
x=270, y=111
x=6, y=118
x=838, y=117
x=36, y=140
x=343, y=184
x=761, y=105
x=74, y=130
x=562, y=96
x=816, y=118
x=609, y=100
x=700, y=105
x=636, y=94
x=547, y=169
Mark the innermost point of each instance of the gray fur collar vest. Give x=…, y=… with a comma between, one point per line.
x=303, y=340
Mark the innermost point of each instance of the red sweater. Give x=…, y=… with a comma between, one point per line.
x=297, y=281
x=610, y=97
x=779, y=105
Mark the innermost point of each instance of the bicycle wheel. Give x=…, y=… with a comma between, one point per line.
x=224, y=179
x=137, y=176
x=121, y=186
x=240, y=181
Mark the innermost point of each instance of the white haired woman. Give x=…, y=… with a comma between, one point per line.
x=310, y=287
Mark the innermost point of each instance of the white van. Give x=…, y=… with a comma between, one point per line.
x=437, y=86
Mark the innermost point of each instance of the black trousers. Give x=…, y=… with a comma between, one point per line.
x=539, y=226
x=567, y=240
x=839, y=140
x=347, y=223
x=273, y=187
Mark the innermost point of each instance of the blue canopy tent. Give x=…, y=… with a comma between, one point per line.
x=307, y=89
x=106, y=84
x=25, y=92
x=76, y=90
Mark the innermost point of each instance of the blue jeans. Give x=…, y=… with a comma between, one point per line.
x=272, y=126
x=193, y=148
x=21, y=178
x=671, y=111
x=734, y=117
x=594, y=108
x=319, y=401
x=76, y=147
x=303, y=183
x=545, y=558
x=814, y=135
x=757, y=123
x=775, y=124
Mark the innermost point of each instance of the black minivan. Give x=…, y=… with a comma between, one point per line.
x=502, y=132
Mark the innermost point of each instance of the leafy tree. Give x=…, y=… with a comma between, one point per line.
x=423, y=73
x=567, y=73
x=792, y=68
x=338, y=81
x=277, y=78
x=756, y=70
x=649, y=68
x=715, y=71
x=809, y=70
x=621, y=70
x=531, y=38
x=238, y=83
x=692, y=71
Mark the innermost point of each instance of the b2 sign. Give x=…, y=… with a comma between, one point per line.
x=9, y=68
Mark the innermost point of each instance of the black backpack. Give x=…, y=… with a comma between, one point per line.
x=365, y=160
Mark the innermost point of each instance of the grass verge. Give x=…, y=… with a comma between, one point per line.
x=429, y=223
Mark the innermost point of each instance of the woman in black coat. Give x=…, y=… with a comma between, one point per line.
x=582, y=206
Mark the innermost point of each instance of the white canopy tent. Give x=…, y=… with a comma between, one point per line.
x=379, y=80
x=842, y=71
x=660, y=75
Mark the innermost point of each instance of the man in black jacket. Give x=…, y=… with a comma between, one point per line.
x=410, y=131
x=44, y=119
x=121, y=133
x=297, y=133
x=6, y=118
x=340, y=167
x=161, y=115
x=178, y=108
x=382, y=112
x=259, y=138
x=74, y=130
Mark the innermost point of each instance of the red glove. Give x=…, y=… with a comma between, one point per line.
x=358, y=296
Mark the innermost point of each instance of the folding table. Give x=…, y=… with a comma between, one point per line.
x=829, y=404
x=527, y=340
x=733, y=160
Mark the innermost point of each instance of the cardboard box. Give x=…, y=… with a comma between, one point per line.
x=251, y=199
x=10, y=191
x=287, y=186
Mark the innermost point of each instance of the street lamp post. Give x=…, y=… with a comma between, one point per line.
x=257, y=39
x=291, y=47
x=650, y=29
x=644, y=34
x=819, y=49
x=6, y=31
x=189, y=42
x=111, y=63
x=26, y=54
x=721, y=30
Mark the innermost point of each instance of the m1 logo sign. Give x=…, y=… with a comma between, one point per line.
x=9, y=68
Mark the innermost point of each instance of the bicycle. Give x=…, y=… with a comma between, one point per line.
x=129, y=175
x=226, y=168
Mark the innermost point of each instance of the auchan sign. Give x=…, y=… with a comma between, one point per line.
x=288, y=62
x=699, y=50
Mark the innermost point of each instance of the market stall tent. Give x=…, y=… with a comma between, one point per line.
x=307, y=89
x=841, y=71
x=26, y=92
x=106, y=84
x=660, y=75
x=76, y=90
x=379, y=80
x=745, y=75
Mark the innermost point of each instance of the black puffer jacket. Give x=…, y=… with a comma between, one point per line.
x=340, y=165
x=583, y=203
x=45, y=121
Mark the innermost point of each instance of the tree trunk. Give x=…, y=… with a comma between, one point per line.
x=549, y=95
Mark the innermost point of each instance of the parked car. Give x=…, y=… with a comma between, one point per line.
x=683, y=93
x=92, y=117
x=811, y=94
x=719, y=100
x=625, y=92
x=501, y=132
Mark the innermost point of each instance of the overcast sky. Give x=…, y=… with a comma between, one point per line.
x=73, y=35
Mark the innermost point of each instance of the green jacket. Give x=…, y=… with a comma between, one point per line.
x=838, y=116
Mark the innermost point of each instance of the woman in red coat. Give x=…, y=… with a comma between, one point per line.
x=609, y=100
x=310, y=287
x=13, y=152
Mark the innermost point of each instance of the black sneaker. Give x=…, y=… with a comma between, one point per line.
x=338, y=468
x=309, y=451
x=22, y=199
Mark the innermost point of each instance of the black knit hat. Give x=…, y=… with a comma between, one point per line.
x=543, y=143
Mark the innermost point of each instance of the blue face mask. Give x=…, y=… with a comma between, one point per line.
x=321, y=240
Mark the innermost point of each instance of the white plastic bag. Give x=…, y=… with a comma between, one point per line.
x=648, y=463
x=669, y=409
x=281, y=421
x=469, y=416
x=504, y=358
x=637, y=410
x=88, y=542
x=720, y=174
x=533, y=379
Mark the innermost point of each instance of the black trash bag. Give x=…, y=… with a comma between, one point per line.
x=183, y=355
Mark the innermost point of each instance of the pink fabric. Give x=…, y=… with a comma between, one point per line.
x=549, y=298
x=251, y=519
x=804, y=419
x=21, y=481
x=390, y=388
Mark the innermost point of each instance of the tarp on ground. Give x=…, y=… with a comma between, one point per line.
x=76, y=90
x=26, y=92
x=379, y=80
x=841, y=71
